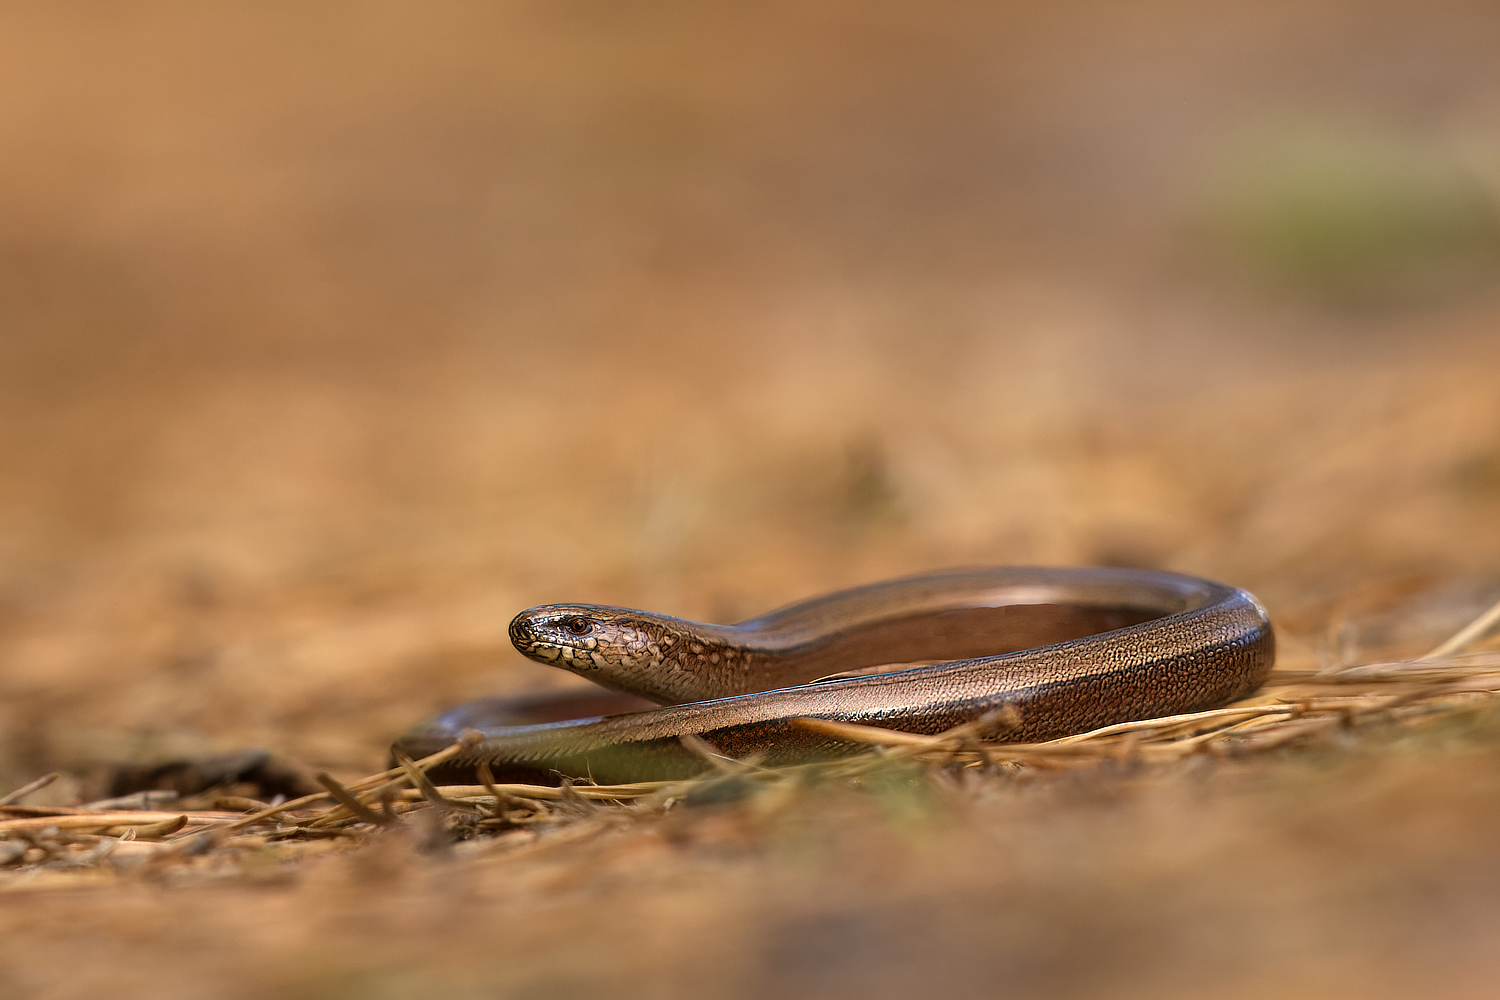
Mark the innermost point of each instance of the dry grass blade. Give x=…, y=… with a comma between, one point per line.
x=856, y=733
x=276, y=810
x=29, y=787
x=501, y=797
x=720, y=762
x=1466, y=636
x=429, y=791
x=634, y=790
x=349, y=802
x=360, y=785
x=916, y=741
x=154, y=831
x=98, y=821
x=239, y=803
x=1173, y=722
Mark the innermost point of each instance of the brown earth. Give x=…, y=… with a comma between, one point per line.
x=333, y=337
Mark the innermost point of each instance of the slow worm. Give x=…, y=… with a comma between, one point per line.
x=1070, y=649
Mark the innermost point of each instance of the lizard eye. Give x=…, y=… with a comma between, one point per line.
x=577, y=625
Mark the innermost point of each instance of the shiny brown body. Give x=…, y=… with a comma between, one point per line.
x=1070, y=649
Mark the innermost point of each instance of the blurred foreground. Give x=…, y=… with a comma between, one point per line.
x=331, y=339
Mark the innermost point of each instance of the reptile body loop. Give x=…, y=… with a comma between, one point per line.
x=1070, y=649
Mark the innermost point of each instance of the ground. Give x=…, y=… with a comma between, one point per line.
x=335, y=337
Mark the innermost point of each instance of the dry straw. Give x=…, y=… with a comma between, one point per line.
x=45, y=846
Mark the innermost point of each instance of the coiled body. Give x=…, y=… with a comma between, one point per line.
x=1069, y=649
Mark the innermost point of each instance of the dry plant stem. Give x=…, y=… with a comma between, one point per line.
x=502, y=798
x=636, y=790
x=914, y=741
x=1466, y=636
x=364, y=783
x=348, y=801
x=1400, y=671
x=868, y=734
x=29, y=787
x=706, y=750
x=385, y=783
x=1173, y=721
x=429, y=792
x=99, y=821
x=49, y=811
x=721, y=763
x=238, y=803
x=165, y=828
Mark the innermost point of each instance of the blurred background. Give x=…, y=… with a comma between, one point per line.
x=331, y=336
